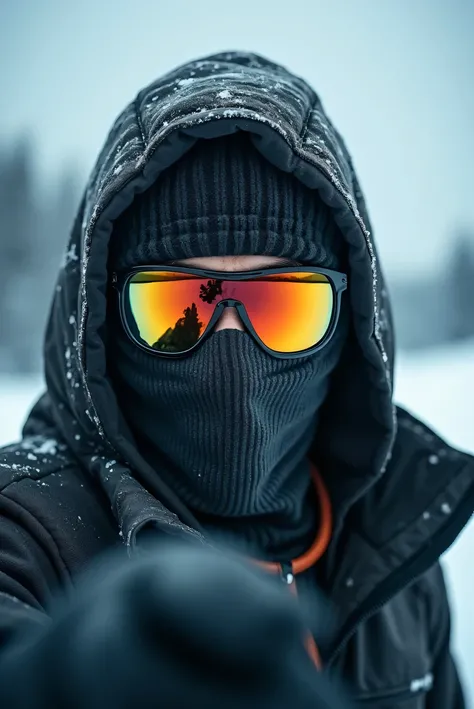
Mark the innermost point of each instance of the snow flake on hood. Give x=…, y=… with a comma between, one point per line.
x=182, y=83
x=70, y=256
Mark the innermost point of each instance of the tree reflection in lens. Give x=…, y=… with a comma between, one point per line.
x=187, y=329
x=183, y=335
x=210, y=292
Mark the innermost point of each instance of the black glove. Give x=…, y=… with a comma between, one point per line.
x=181, y=627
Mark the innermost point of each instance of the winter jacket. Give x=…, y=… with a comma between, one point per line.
x=76, y=485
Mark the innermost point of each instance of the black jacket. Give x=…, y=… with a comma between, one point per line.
x=76, y=485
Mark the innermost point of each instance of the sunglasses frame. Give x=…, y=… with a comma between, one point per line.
x=337, y=280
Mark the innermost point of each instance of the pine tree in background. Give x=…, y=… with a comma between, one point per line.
x=461, y=286
x=34, y=228
x=57, y=214
x=18, y=223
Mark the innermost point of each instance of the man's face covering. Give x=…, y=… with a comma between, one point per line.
x=228, y=424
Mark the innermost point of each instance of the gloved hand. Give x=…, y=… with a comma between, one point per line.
x=181, y=627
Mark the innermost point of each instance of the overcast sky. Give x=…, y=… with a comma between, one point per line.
x=396, y=76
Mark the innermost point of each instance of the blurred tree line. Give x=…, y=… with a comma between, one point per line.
x=34, y=226
x=35, y=220
x=431, y=310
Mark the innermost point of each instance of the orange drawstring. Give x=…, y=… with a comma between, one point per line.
x=310, y=557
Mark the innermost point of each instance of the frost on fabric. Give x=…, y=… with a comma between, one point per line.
x=105, y=462
x=40, y=445
x=19, y=468
x=185, y=82
x=70, y=256
x=71, y=369
x=31, y=450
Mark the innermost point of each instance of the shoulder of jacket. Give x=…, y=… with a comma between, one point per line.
x=414, y=436
x=44, y=489
x=34, y=458
x=427, y=485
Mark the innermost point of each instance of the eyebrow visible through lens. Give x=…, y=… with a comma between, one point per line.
x=257, y=266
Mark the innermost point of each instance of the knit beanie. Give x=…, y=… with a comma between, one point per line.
x=224, y=198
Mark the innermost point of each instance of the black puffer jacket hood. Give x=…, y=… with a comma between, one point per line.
x=201, y=100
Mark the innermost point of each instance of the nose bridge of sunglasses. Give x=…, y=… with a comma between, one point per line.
x=228, y=314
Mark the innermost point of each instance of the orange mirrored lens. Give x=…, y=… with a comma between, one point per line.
x=290, y=312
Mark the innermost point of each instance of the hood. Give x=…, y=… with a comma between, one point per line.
x=200, y=100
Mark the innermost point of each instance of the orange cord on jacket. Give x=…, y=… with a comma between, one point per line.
x=311, y=556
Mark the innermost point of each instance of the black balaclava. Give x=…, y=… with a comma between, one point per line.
x=228, y=427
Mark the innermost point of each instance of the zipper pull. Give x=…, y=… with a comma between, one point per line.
x=287, y=575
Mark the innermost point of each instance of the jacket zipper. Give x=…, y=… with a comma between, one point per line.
x=287, y=575
x=423, y=561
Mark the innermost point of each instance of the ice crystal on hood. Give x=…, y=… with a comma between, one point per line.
x=20, y=468
x=49, y=446
x=70, y=255
x=71, y=374
x=225, y=94
x=185, y=82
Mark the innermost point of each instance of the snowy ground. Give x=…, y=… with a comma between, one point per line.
x=439, y=387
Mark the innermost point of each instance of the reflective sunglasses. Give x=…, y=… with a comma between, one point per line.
x=290, y=311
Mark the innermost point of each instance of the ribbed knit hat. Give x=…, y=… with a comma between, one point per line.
x=224, y=198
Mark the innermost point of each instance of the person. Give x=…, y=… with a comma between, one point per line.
x=219, y=368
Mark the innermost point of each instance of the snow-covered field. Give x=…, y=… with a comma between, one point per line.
x=439, y=387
